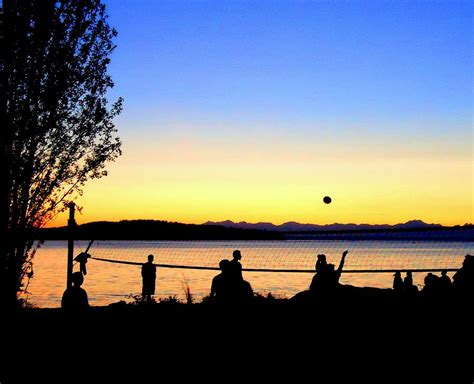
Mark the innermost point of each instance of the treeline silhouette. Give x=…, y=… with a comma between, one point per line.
x=151, y=230
x=164, y=230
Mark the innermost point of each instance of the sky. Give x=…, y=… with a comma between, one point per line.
x=256, y=110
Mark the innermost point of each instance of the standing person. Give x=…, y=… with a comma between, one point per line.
x=148, y=279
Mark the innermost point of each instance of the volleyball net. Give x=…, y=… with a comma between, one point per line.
x=285, y=256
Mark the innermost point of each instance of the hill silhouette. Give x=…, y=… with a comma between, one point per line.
x=153, y=230
x=227, y=230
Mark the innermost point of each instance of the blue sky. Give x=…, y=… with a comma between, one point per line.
x=245, y=110
x=295, y=61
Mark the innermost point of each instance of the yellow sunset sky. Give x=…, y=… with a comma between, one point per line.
x=254, y=111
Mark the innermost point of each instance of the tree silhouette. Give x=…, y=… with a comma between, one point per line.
x=57, y=126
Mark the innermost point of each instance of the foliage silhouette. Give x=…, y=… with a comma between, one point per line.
x=57, y=130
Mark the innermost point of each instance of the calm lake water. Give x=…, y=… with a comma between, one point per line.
x=106, y=283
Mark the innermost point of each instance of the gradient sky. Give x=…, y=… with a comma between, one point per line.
x=255, y=110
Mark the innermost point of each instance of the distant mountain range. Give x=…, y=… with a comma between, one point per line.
x=293, y=226
x=228, y=230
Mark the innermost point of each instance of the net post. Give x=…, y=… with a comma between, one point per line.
x=71, y=225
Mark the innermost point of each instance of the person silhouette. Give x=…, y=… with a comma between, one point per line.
x=321, y=263
x=444, y=281
x=219, y=285
x=432, y=284
x=463, y=279
x=321, y=271
x=235, y=268
x=245, y=293
x=74, y=298
x=148, y=279
x=327, y=277
x=397, y=282
x=408, y=286
x=237, y=290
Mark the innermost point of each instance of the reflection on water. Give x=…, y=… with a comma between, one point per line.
x=106, y=283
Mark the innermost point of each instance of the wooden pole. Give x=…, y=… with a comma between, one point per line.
x=71, y=223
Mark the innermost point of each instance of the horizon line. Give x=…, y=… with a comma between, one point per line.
x=211, y=222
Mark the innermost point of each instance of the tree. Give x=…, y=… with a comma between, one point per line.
x=57, y=125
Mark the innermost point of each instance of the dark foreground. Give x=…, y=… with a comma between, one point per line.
x=346, y=340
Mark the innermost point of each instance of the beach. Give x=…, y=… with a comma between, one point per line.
x=107, y=283
x=367, y=340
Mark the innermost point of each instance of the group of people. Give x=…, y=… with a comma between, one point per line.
x=435, y=286
x=327, y=277
x=75, y=297
x=229, y=285
x=405, y=285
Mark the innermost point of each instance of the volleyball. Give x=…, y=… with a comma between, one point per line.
x=327, y=199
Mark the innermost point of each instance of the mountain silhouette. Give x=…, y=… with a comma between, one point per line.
x=228, y=230
x=152, y=230
x=292, y=226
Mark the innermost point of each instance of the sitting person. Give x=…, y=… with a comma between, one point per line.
x=219, y=285
x=408, y=287
x=321, y=268
x=229, y=287
x=444, y=281
x=397, y=282
x=432, y=285
x=235, y=268
x=245, y=293
x=463, y=279
x=75, y=298
x=321, y=263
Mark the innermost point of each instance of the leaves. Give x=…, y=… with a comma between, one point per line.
x=60, y=124
x=57, y=123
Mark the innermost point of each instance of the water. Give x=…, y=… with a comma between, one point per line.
x=106, y=283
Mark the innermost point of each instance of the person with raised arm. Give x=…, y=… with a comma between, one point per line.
x=326, y=277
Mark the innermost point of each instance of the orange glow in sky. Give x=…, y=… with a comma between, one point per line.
x=193, y=180
x=254, y=111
